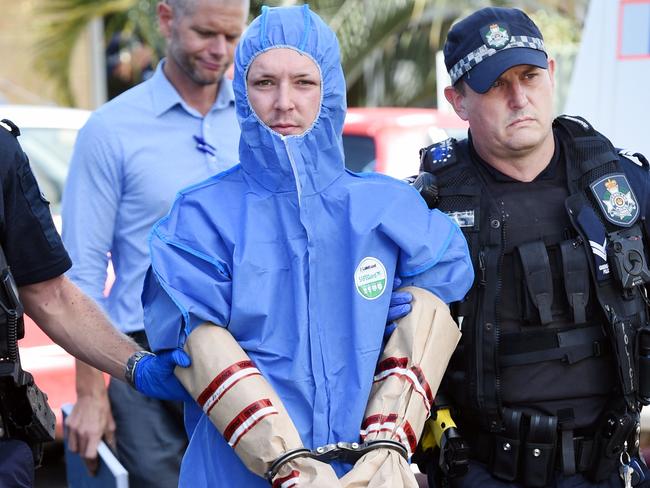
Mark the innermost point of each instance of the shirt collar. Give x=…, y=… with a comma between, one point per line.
x=226, y=95
x=165, y=96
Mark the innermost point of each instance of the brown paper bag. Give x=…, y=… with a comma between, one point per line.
x=408, y=375
x=245, y=409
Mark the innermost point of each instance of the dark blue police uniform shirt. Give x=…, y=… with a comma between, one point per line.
x=30, y=241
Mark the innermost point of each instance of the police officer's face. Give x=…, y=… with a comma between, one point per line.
x=201, y=41
x=284, y=90
x=514, y=116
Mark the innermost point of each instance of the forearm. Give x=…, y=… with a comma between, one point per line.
x=76, y=323
x=226, y=383
x=245, y=409
x=91, y=418
x=89, y=381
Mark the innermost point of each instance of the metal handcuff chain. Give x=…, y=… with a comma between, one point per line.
x=284, y=459
x=349, y=452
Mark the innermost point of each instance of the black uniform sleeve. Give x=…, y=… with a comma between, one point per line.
x=30, y=241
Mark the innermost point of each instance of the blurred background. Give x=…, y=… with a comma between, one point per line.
x=81, y=52
x=62, y=58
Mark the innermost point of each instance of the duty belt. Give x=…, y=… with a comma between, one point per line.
x=483, y=446
x=532, y=446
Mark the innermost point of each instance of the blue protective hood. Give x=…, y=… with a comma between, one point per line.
x=308, y=162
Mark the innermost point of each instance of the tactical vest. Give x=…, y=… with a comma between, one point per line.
x=602, y=268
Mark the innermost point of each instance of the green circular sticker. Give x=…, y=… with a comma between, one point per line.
x=370, y=278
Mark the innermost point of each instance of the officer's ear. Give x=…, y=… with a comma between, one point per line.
x=551, y=70
x=455, y=95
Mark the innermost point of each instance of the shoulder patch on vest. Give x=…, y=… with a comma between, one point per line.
x=438, y=155
x=9, y=126
x=586, y=126
x=616, y=199
x=637, y=158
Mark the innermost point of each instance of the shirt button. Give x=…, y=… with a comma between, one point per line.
x=495, y=224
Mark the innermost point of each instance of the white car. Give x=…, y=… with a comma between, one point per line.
x=47, y=136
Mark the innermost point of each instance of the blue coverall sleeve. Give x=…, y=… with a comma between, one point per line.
x=433, y=252
x=452, y=276
x=186, y=284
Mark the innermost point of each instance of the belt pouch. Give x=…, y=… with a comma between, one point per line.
x=539, y=451
x=504, y=463
x=615, y=428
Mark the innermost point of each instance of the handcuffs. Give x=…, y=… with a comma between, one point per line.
x=347, y=452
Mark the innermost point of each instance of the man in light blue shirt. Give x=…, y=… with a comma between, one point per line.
x=130, y=159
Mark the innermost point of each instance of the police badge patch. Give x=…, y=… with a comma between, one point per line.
x=441, y=152
x=616, y=199
x=496, y=36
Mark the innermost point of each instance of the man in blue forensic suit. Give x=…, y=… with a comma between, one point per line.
x=133, y=155
x=550, y=376
x=290, y=252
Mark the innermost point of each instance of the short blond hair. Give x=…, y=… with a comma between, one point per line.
x=185, y=7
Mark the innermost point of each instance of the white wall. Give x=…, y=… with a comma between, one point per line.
x=611, y=92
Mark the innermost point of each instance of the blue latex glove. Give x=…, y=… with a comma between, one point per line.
x=154, y=375
x=400, y=306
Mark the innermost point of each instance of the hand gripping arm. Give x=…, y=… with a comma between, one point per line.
x=246, y=410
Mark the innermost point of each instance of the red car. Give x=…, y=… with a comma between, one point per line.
x=387, y=139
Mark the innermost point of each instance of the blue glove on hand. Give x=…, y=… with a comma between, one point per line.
x=154, y=375
x=400, y=306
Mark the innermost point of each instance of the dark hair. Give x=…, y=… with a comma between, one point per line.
x=460, y=87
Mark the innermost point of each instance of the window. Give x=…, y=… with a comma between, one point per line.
x=360, y=153
x=49, y=152
x=634, y=29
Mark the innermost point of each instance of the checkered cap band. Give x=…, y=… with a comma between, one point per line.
x=484, y=52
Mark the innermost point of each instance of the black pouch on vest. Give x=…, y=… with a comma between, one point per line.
x=539, y=451
x=576, y=279
x=538, y=278
x=504, y=463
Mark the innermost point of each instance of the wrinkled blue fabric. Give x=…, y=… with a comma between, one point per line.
x=269, y=250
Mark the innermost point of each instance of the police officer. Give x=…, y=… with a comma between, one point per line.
x=545, y=384
x=31, y=275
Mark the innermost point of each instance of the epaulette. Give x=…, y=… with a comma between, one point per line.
x=637, y=158
x=9, y=126
x=577, y=126
x=437, y=155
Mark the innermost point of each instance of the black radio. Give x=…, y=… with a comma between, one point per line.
x=627, y=257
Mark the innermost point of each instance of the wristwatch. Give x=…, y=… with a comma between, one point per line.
x=132, y=362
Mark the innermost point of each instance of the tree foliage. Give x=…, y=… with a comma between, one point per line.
x=387, y=46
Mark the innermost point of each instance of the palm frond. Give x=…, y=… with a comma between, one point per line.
x=62, y=22
x=387, y=46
